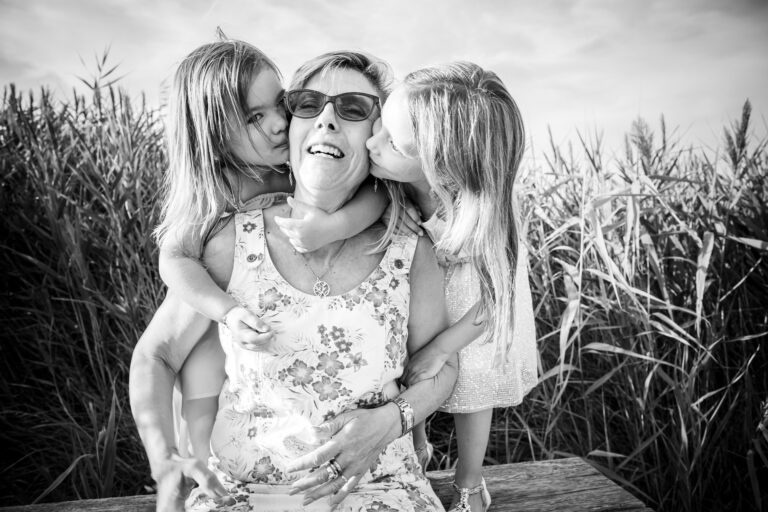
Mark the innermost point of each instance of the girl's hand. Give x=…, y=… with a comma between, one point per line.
x=424, y=364
x=310, y=230
x=247, y=329
x=410, y=220
x=355, y=439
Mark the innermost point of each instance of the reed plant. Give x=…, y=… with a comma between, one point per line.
x=649, y=272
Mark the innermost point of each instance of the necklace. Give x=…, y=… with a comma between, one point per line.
x=321, y=288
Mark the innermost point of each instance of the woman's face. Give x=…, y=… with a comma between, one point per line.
x=392, y=147
x=265, y=138
x=328, y=153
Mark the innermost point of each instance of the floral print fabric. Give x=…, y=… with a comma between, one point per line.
x=329, y=355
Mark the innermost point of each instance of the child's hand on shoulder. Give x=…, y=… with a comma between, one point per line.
x=247, y=329
x=309, y=229
x=424, y=364
x=410, y=220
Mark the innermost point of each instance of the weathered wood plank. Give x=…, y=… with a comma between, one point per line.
x=562, y=485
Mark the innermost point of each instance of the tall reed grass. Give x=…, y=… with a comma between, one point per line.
x=649, y=274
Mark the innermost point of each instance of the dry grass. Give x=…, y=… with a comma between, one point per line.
x=650, y=282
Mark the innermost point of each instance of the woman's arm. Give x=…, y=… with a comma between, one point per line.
x=169, y=338
x=356, y=438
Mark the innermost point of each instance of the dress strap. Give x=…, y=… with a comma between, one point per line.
x=399, y=255
x=249, y=239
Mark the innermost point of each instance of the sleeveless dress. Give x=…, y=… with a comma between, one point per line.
x=480, y=385
x=330, y=354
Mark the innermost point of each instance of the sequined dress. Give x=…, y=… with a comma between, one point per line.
x=330, y=354
x=480, y=385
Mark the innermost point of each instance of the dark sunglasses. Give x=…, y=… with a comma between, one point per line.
x=351, y=106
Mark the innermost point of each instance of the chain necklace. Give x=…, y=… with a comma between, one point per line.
x=321, y=288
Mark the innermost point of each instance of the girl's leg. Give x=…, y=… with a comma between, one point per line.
x=421, y=445
x=472, y=438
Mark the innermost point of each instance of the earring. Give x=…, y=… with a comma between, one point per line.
x=290, y=177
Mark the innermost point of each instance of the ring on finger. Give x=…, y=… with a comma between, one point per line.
x=332, y=473
x=333, y=463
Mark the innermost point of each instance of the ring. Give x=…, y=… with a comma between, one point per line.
x=335, y=465
x=332, y=472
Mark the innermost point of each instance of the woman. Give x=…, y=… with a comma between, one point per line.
x=315, y=299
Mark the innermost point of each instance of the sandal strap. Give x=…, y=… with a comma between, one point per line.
x=464, y=494
x=470, y=491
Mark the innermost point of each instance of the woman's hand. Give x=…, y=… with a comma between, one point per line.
x=410, y=220
x=424, y=364
x=175, y=478
x=355, y=439
x=309, y=229
x=248, y=330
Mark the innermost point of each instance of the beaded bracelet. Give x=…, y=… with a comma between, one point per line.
x=406, y=414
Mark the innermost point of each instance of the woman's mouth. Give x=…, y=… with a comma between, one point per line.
x=325, y=150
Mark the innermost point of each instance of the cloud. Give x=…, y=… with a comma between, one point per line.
x=580, y=64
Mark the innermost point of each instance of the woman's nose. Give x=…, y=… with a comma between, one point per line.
x=327, y=118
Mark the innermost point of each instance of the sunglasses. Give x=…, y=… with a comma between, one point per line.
x=351, y=106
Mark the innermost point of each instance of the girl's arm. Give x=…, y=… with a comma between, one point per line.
x=427, y=361
x=311, y=228
x=188, y=278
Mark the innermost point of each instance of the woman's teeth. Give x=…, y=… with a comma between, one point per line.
x=325, y=150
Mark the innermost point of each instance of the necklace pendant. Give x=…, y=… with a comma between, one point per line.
x=321, y=288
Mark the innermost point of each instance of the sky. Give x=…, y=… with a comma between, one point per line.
x=587, y=67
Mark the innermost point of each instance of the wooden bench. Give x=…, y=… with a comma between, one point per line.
x=555, y=485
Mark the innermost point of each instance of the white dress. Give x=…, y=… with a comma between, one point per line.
x=481, y=385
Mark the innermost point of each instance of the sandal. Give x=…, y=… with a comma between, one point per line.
x=424, y=455
x=465, y=493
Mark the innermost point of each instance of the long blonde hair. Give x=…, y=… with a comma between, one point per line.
x=208, y=100
x=470, y=139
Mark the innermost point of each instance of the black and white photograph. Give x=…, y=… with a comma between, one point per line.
x=356, y=256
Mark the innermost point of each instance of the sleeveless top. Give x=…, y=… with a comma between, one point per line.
x=329, y=354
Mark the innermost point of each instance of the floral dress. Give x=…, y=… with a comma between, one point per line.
x=480, y=384
x=330, y=354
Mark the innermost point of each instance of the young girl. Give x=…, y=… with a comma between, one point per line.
x=454, y=136
x=228, y=147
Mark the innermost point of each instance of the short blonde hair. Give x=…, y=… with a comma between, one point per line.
x=470, y=140
x=375, y=70
x=208, y=100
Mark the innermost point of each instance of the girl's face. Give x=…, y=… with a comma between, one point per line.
x=265, y=138
x=392, y=147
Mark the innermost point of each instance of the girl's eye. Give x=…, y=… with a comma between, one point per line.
x=255, y=118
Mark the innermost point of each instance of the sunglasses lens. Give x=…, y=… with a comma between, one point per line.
x=305, y=104
x=351, y=106
x=354, y=107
